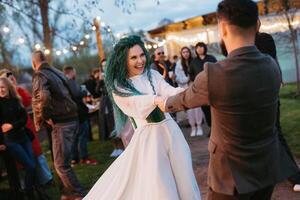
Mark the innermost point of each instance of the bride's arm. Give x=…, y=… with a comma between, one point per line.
x=138, y=106
x=164, y=88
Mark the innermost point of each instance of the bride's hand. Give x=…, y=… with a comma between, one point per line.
x=160, y=102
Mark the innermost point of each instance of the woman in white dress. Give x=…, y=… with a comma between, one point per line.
x=195, y=115
x=157, y=163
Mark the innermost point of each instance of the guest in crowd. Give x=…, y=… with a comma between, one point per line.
x=162, y=66
x=13, y=118
x=106, y=116
x=265, y=43
x=91, y=83
x=44, y=174
x=183, y=78
x=105, y=111
x=197, y=67
x=79, y=148
x=12, y=172
x=54, y=104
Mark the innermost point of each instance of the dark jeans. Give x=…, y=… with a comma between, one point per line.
x=62, y=140
x=80, y=142
x=207, y=114
x=23, y=153
x=263, y=194
x=13, y=176
x=106, y=118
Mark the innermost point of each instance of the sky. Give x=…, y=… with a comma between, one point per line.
x=148, y=14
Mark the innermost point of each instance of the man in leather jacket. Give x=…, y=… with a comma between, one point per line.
x=52, y=103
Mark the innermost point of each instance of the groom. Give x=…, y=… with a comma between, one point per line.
x=246, y=159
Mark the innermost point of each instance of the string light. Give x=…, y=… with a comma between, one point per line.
x=5, y=29
x=21, y=40
x=58, y=52
x=47, y=51
x=87, y=36
x=37, y=46
x=65, y=51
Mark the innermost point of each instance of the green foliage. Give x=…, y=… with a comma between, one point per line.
x=87, y=174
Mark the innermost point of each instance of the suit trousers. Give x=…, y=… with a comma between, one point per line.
x=263, y=194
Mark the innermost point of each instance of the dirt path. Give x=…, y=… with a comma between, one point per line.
x=200, y=156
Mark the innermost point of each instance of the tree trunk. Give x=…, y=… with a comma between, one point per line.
x=5, y=54
x=266, y=6
x=296, y=51
x=44, y=8
x=289, y=17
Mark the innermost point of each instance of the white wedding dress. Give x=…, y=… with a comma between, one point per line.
x=157, y=163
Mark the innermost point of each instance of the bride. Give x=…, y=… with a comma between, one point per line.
x=157, y=163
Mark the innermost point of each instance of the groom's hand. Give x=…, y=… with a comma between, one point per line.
x=160, y=102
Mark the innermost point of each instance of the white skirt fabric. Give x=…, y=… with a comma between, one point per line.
x=156, y=165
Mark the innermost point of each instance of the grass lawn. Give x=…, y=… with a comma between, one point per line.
x=290, y=117
x=88, y=174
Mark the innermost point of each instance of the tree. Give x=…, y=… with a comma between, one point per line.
x=289, y=13
x=44, y=10
x=287, y=9
x=33, y=18
x=39, y=19
x=5, y=52
x=128, y=6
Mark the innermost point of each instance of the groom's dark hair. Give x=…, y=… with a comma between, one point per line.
x=241, y=13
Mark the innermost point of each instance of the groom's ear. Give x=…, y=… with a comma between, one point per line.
x=258, y=24
x=222, y=29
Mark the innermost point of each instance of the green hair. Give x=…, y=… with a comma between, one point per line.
x=116, y=76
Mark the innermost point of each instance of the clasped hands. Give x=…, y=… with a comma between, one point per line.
x=2, y=147
x=6, y=127
x=160, y=102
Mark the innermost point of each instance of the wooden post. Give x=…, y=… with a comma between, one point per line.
x=47, y=32
x=99, y=40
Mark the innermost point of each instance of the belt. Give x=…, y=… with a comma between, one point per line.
x=154, y=117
